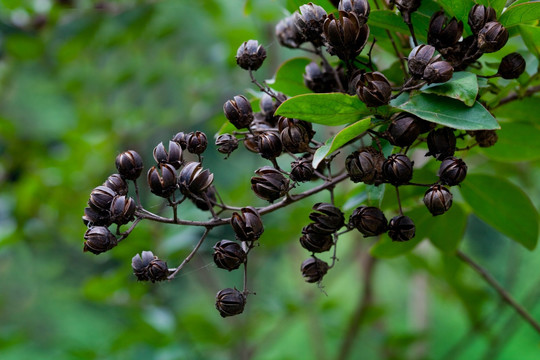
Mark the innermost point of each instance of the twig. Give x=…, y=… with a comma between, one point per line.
x=191, y=254
x=515, y=96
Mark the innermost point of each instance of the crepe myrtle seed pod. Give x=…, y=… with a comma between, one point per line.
x=444, y=33
x=92, y=217
x=226, y=143
x=418, y=59
x=193, y=179
x=228, y=255
x=251, y=143
x=162, y=182
x=327, y=216
x=401, y=228
x=359, y=7
x=511, y=66
x=173, y=156
x=149, y=267
x=313, y=269
x=403, y=130
x=129, y=164
x=365, y=166
x=438, y=199
x=492, y=37
x=269, y=145
x=288, y=34
x=247, y=224
x=250, y=55
x=269, y=184
x=116, y=183
x=98, y=240
x=317, y=228
x=295, y=134
x=438, y=72
x=230, y=302
x=345, y=36
x=369, y=220
x=316, y=243
x=407, y=7
x=398, y=169
x=452, y=171
x=485, y=138
x=302, y=170
x=238, y=111
x=180, y=139
x=373, y=89
x=441, y=143
x=122, y=210
x=269, y=105
x=101, y=198
x=322, y=80
x=309, y=21
x=196, y=142
x=200, y=200
x=479, y=16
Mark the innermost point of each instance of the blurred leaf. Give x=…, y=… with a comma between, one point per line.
x=518, y=141
x=446, y=231
x=463, y=87
x=520, y=14
x=289, y=77
x=226, y=128
x=504, y=206
x=375, y=194
x=531, y=38
x=340, y=139
x=520, y=110
x=448, y=112
x=24, y=46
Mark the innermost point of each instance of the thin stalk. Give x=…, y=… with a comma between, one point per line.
x=191, y=254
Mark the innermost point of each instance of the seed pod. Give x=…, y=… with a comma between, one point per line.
x=162, y=182
x=269, y=145
x=369, y=220
x=173, y=156
x=345, y=36
x=193, y=179
x=196, y=142
x=438, y=72
x=327, y=216
x=418, y=59
x=313, y=269
x=359, y=7
x=200, y=201
x=270, y=184
x=250, y=55
x=288, y=34
x=247, y=225
x=438, y=199
x=443, y=33
x=228, y=255
x=323, y=80
x=98, y=240
x=441, y=143
x=403, y=130
x=269, y=106
x=101, y=198
x=452, y=171
x=373, y=89
x=315, y=242
x=485, y=138
x=309, y=21
x=302, y=170
x=116, y=183
x=230, y=302
x=226, y=144
x=92, y=217
x=180, y=139
x=129, y=164
x=149, y=267
x=238, y=111
x=479, y=16
x=251, y=143
x=492, y=37
x=122, y=210
x=365, y=166
x=295, y=134
x=157, y=270
x=401, y=228
x=512, y=65
x=407, y=7
x=398, y=169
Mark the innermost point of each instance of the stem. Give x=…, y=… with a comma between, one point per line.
x=398, y=54
x=331, y=68
x=190, y=256
x=264, y=89
x=399, y=201
x=515, y=96
x=502, y=292
x=128, y=231
x=137, y=196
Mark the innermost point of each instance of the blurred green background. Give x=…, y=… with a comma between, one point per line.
x=81, y=81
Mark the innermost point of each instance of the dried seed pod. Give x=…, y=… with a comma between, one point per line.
x=180, y=139
x=443, y=33
x=269, y=145
x=418, y=59
x=162, y=182
x=313, y=269
x=295, y=134
x=302, y=170
x=196, y=142
x=345, y=36
x=193, y=179
x=365, y=166
x=226, y=143
x=230, y=302
x=403, y=130
x=359, y=7
x=327, y=216
x=92, y=217
x=309, y=21
x=407, y=7
x=316, y=242
x=438, y=199
x=438, y=72
x=369, y=220
x=101, y=198
x=269, y=106
x=129, y=164
x=479, y=16
x=398, y=169
x=247, y=224
x=288, y=34
x=492, y=37
x=251, y=143
x=238, y=111
x=512, y=66
x=485, y=138
x=452, y=171
x=200, y=201
x=116, y=183
x=270, y=184
x=173, y=156
x=122, y=210
x=441, y=143
x=149, y=267
x=98, y=240
x=401, y=228
x=373, y=89
x=228, y=255
x=250, y=55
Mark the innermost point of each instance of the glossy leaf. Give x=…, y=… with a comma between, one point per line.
x=520, y=14
x=518, y=141
x=498, y=5
x=504, y=206
x=388, y=20
x=446, y=231
x=463, y=87
x=448, y=112
x=340, y=139
x=458, y=8
x=531, y=38
x=289, y=77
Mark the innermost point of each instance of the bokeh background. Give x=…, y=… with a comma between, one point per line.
x=81, y=81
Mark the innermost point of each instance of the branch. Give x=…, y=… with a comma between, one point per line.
x=515, y=96
x=190, y=256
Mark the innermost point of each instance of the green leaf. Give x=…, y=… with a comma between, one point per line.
x=523, y=110
x=518, y=141
x=289, y=79
x=327, y=109
x=504, y=206
x=226, y=128
x=463, y=87
x=498, y=5
x=446, y=231
x=340, y=139
x=531, y=38
x=388, y=20
x=458, y=8
x=448, y=112
x=520, y=14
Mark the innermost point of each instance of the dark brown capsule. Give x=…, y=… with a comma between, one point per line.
x=438, y=72
x=359, y=7
x=373, y=89
x=238, y=111
x=149, y=267
x=479, y=16
x=288, y=34
x=327, y=216
x=485, y=138
x=92, y=217
x=492, y=37
x=401, y=228
x=313, y=269
x=345, y=36
x=369, y=220
x=101, y=198
x=452, y=171
x=270, y=184
x=441, y=143
x=226, y=143
x=444, y=33
x=250, y=55
x=302, y=170
x=196, y=142
x=365, y=166
x=193, y=179
x=230, y=302
x=98, y=240
x=116, y=183
x=228, y=255
x=438, y=199
x=418, y=59
x=129, y=164
x=247, y=224
x=403, y=130
x=162, y=181
x=512, y=66
x=309, y=20
x=173, y=156
x=315, y=242
x=122, y=210
x=295, y=134
x=398, y=169
x=269, y=145
x=180, y=139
